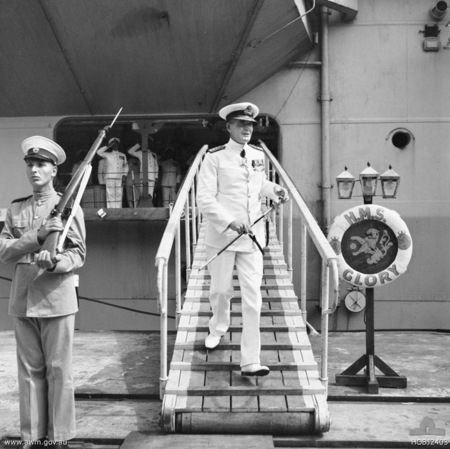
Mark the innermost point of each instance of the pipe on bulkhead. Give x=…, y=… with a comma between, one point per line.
x=325, y=99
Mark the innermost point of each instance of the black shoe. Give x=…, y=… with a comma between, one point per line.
x=256, y=370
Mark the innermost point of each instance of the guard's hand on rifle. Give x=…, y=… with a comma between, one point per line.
x=282, y=194
x=239, y=227
x=45, y=261
x=53, y=224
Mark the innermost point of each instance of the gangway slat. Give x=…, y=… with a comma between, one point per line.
x=205, y=392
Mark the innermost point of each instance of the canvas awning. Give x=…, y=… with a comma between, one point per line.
x=83, y=57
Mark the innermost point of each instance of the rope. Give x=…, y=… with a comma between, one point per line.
x=122, y=307
x=108, y=304
x=294, y=86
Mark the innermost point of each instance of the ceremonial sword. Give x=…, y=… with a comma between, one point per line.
x=250, y=234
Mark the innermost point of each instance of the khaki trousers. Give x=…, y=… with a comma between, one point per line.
x=44, y=360
x=249, y=267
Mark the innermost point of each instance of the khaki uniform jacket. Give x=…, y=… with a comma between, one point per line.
x=231, y=187
x=36, y=292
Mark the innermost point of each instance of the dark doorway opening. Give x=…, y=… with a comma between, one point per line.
x=186, y=135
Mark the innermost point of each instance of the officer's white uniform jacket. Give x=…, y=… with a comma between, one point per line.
x=116, y=164
x=36, y=292
x=230, y=188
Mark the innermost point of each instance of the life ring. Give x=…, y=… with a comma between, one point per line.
x=373, y=245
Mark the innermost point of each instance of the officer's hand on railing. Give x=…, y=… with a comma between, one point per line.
x=239, y=227
x=283, y=194
x=53, y=224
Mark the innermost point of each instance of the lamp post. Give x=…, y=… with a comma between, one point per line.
x=390, y=181
x=368, y=178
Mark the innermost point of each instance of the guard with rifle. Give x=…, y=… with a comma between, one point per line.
x=232, y=183
x=46, y=245
x=43, y=299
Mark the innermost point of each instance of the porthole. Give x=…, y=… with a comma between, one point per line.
x=401, y=138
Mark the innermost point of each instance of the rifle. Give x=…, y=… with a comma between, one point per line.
x=51, y=242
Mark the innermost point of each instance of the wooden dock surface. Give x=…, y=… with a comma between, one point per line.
x=117, y=386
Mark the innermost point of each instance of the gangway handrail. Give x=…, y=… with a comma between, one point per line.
x=321, y=243
x=329, y=259
x=171, y=235
x=165, y=247
x=185, y=203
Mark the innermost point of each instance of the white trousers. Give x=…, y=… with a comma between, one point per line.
x=249, y=267
x=44, y=361
x=114, y=193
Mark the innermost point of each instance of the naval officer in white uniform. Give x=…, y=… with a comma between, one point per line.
x=115, y=170
x=232, y=183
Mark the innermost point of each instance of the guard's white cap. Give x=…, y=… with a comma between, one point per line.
x=39, y=147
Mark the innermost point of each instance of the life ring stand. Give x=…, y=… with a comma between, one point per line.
x=373, y=245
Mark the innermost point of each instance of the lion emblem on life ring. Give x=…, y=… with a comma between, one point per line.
x=374, y=245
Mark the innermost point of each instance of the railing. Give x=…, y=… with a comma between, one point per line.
x=185, y=207
x=129, y=186
x=308, y=227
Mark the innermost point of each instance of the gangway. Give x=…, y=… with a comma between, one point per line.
x=204, y=392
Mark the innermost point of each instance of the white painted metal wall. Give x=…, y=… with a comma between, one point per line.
x=381, y=79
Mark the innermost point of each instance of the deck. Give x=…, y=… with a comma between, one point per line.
x=117, y=384
x=117, y=389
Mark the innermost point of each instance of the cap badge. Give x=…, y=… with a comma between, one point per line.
x=248, y=111
x=35, y=150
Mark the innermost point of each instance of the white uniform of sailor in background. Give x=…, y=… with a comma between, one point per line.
x=232, y=183
x=116, y=167
x=153, y=168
